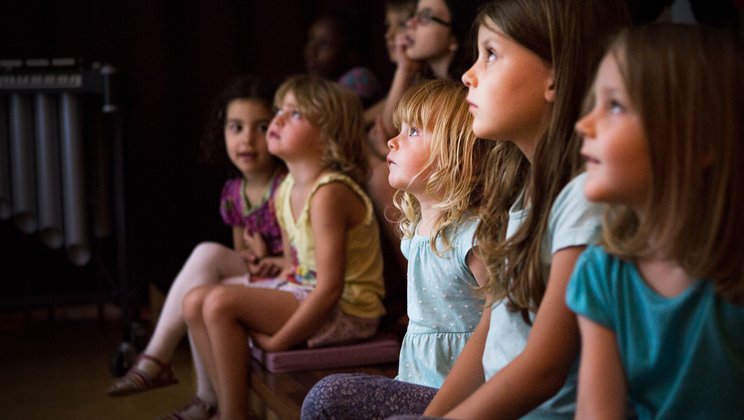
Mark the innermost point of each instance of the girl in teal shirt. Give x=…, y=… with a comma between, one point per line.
x=661, y=303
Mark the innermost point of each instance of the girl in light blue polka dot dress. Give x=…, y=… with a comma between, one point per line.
x=436, y=164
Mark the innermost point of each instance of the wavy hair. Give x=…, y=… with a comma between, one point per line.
x=212, y=142
x=454, y=167
x=337, y=112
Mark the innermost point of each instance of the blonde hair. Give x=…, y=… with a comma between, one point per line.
x=454, y=166
x=686, y=83
x=571, y=36
x=337, y=112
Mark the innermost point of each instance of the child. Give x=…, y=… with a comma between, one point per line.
x=397, y=13
x=661, y=302
x=242, y=114
x=334, y=48
x=334, y=291
x=535, y=62
x=438, y=37
x=437, y=40
x=435, y=162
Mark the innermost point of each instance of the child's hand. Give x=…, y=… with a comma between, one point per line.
x=255, y=243
x=264, y=341
x=264, y=267
x=402, y=42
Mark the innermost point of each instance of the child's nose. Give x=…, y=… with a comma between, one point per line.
x=392, y=143
x=585, y=126
x=468, y=78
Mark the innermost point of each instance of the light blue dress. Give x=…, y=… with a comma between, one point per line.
x=573, y=221
x=443, y=310
x=683, y=356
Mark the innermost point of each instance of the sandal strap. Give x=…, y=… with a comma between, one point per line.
x=153, y=359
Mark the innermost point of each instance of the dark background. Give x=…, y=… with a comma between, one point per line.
x=174, y=56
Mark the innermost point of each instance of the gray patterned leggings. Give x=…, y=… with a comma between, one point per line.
x=361, y=396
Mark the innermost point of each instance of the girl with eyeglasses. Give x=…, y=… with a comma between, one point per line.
x=437, y=41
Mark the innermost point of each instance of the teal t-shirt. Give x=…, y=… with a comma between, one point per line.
x=443, y=310
x=683, y=356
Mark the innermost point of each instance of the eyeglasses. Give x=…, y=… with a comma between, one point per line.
x=424, y=17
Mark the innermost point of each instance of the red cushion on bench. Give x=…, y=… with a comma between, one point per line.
x=380, y=349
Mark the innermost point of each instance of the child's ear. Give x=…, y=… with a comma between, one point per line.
x=550, y=88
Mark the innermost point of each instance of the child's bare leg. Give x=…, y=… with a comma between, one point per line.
x=193, y=305
x=229, y=312
x=208, y=263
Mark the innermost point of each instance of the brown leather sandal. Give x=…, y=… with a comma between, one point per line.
x=137, y=380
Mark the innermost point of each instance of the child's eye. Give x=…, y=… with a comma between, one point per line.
x=234, y=127
x=296, y=114
x=615, y=107
x=263, y=127
x=491, y=55
x=413, y=132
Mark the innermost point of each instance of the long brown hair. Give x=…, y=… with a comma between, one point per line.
x=685, y=81
x=571, y=35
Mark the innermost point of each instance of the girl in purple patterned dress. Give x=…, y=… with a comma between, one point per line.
x=243, y=114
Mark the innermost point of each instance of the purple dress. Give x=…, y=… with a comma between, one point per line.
x=236, y=210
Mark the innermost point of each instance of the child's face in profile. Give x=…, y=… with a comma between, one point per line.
x=245, y=129
x=324, y=50
x=395, y=23
x=616, y=149
x=407, y=158
x=509, y=90
x=290, y=134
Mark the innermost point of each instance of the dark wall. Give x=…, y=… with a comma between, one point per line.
x=175, y=55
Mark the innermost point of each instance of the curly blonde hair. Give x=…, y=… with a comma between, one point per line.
x=454, y=166
x=337, y=112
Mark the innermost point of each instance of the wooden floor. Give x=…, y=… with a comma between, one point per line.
x=60, y=370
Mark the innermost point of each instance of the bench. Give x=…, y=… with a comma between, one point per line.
x=279, y=395
x=279, y=381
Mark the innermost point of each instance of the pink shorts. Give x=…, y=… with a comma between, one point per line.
x=340, y=328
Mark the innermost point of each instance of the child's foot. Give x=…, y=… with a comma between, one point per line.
x=197, y=409
x=147, y=373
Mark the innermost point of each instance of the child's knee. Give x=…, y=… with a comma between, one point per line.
x=218, y=303
x=192, y=304
x=207, y=250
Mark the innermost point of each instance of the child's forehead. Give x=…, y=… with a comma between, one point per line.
x=287, y=99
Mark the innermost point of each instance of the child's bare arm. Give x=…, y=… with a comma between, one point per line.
x=255, y=244
x=238, y=241
x=331, y=211
x=542, y=367
x=602, y=389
